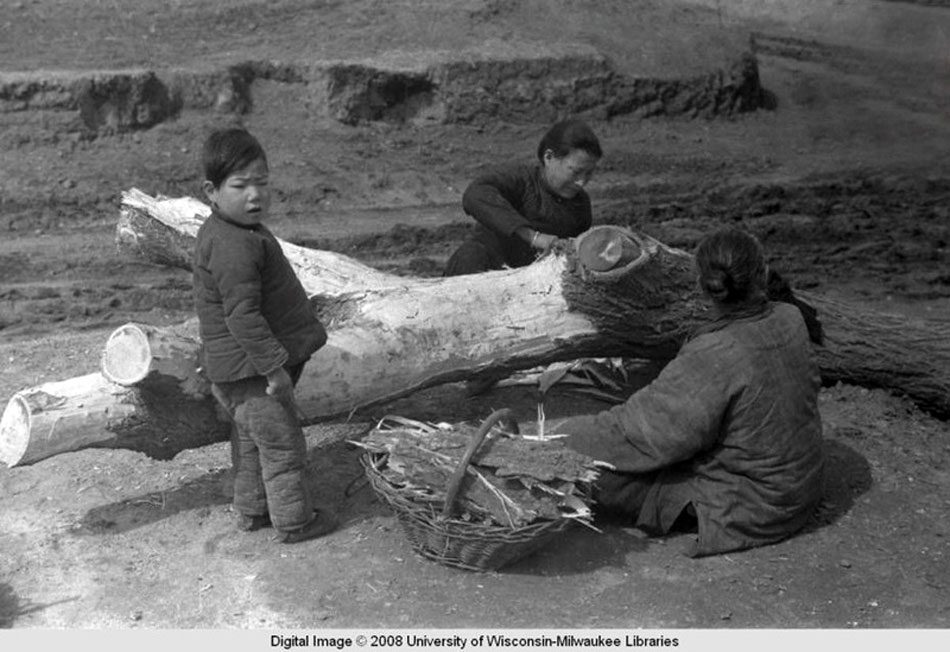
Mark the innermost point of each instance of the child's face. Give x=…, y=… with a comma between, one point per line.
x=567, y=175
x=243, y=196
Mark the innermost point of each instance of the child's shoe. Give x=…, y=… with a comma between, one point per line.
x=252, y=522
x=323, y=522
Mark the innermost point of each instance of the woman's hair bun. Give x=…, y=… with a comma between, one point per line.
x=716, y=284
x=731, y=266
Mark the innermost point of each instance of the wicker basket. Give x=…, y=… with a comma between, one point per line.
x=436, y=535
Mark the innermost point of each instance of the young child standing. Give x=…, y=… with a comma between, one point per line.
x=258, y=329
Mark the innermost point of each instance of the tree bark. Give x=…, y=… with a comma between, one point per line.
x=882, y=350
x=90, y=412
x=611, y=293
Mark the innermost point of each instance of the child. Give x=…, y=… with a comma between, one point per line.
x=258, y=329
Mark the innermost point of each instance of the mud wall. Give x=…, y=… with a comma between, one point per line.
x=418, y=88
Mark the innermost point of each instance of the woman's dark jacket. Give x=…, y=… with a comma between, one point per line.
x=515, y=195
x=254, y=315
x=731, y=425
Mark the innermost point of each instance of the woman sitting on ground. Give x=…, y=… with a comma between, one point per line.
x=727, y=439
x=522, y=209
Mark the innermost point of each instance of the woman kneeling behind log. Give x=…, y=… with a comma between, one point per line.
x=727, y=439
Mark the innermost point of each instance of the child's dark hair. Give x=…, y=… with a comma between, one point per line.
x=228, y=150
x=569, y=135
x=731, y=265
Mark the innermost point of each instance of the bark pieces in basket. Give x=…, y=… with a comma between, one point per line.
x=511, y=481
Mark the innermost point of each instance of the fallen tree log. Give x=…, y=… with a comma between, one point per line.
x=910, y=357
x=91, y=412
x=388, y=336
x=163, y=230
x=638, y=307
x=616, y=293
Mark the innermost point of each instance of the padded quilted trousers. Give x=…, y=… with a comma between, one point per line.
x=269, y=453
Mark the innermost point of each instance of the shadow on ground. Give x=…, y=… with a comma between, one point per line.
x=131, y=513
x=12, y=607
x=9, y=606
x=847, y=476
x=335, y=481
x=581, y=550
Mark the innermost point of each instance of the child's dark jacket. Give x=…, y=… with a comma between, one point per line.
x=254, y=314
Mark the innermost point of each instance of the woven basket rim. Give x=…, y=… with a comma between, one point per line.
x=467, y=545
x=399, y=499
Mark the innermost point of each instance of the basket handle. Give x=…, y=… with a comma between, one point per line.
x=455, y=482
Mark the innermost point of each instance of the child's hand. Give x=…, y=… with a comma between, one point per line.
x=279, y=384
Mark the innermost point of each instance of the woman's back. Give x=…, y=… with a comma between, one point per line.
x=760, y=481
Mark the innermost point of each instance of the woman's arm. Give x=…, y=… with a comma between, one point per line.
x=536, y=239
x=677, y=416
x=495, y=201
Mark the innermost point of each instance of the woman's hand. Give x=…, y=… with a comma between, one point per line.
x=543, y=241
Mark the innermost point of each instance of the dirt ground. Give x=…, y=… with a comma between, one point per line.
x=845, y=177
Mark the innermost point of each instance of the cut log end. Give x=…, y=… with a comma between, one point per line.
x=126, y=357
x=608, y=248
x=14, y=431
